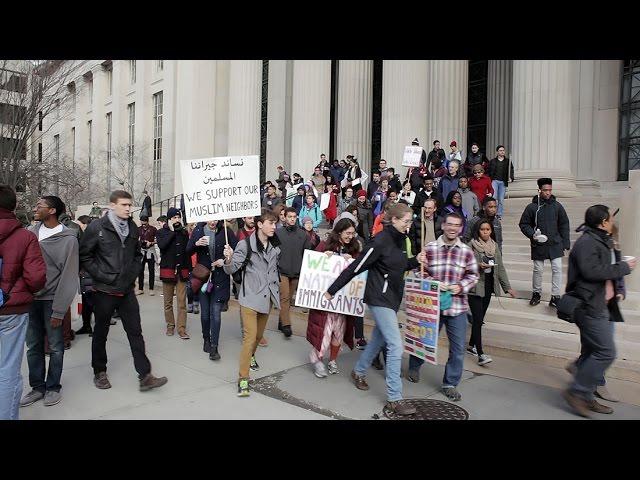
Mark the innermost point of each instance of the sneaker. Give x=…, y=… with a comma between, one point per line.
x=484, y=359
x=190, y=308
x=30, y=398
x=140, y=292
x=263, y=342
x=413, y=376
x=67, y=345
x=319, y=370
x=451, y=393
x=206, y=346
x=579, y=405
x=52, y=398
x=254, y=365
x=170, y=331
x=535, y=299
x=554, y=301
x=183, y=334
x=400, y=408
x=593, y=406
x=361, y=383
x=214, y=355
x=243, y=387
x=605, y=394
x=149, y=382
x=152, y=293
x=361, y=344
x=84, y=330
x=333, y=367
x=472, y=351
x=286, y=329
x=196, y=308
x=101, y=381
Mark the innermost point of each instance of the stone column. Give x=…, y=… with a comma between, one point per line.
x=542, y=126
x=499, y=90
x=310, y=115
x=405, y=89
x=629, y=227
x=354, y=115
x=245, y=94
x=279, y=117
x=448, y=103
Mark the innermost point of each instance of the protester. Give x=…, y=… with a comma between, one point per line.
x=193, y=294
x=365, y=216
x=147, y=242
x=68, y=334
x=480, y=184
x=469, y=199
x=22, y=274
x=95, y=210
x=60, y=251
x=324, y=164
x=327, y=330
x=259, y=291
x=454, y=154
x=377, y=224
x=415, y=177
x=298, y=200
x=312, y=236
x=545, y=222
x=489, y=209
x=383, y=169
x=162, y=221
x=271, y=200
x=296, y=179
x=436, y=168
x=110, y=253
x=174, y=271
x=86, y=289
x=453, y=204
x=318, y=179
x=348, y=199
x=208, y=242
x=379, y=197
x=500, y=170
x=476, y=157
x=395, y=185
x=428, y=191
x=594, y=270
x=354, y=173
x=407, y=194
x=146, y=205
x=386, y=263
x=311, y=210
x=332, y=189
x=279, y=211
x=491, y=277
x=449, y=182
x=433, y=225
x=281, y=181
x=452, y=263
x=374, y=184
x=293, y=242
x=436, y=156
x=337, y=171
x=423, y=157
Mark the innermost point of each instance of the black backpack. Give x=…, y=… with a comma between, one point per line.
x=238, y=275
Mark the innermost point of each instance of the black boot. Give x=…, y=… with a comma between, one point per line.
x=535, y=299
x=286, y=329
x=86, y=328
x=207, y=346
x=214, y=355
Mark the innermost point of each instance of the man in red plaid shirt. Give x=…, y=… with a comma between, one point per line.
x=451, y=262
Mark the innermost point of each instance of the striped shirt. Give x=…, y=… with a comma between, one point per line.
x=455, y=264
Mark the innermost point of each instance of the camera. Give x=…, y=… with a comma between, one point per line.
x=177, y=226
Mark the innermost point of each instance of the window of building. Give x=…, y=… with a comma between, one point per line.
x=73, y=148
x=131, y=109
x=109, y=152
x=56, y=107
x=89, y=133
x=90, y=92
x=157, y=144
x=13, y=81
x=72, y=95
x=39, y=152
x=159, y=65
x=629, y=137
x=477, y=106
x=56, y=160
x=40, y=121
x=108, y=69
x=132, y=72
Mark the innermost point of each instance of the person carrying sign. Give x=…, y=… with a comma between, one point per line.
x=259, y=289
x=386, y=263
x=327, y=330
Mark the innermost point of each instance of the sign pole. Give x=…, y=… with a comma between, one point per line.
x=422, y=235
x=226, y=235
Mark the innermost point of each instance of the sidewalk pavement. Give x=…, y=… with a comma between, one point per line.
x=285, y=387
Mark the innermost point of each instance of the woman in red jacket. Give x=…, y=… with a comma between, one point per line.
x=327, y=330
x=480, y=184
x=331, y=188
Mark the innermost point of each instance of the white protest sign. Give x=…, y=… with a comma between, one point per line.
x=221, y=187
x=412, y=156
x=318, y=273
x=324, y=201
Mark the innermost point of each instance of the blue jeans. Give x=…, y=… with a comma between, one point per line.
x=39, y=326
x=385, y=331
x=210, y=317
x=456, y=332
x=13, y=329
x=498, y=193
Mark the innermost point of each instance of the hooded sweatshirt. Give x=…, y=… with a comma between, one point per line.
x=60, y=252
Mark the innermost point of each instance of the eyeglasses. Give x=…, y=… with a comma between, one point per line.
x=456, y=225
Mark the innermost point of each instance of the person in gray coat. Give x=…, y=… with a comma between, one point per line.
x=259, y=288
x=469, y=199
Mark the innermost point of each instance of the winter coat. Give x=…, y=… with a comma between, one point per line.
x=344, y=202
x=469, y=201
x=260, y=288
x=436, y=156
x=552, y=222
x=371, y=188
x=337, y=173
x=395, y=184
x=271, y=203
x=474, y=159
x=423, y=195
x=318, y=318
x=491, y=171
x=65, y=220
x=220, y=279
x=174, y=260
x=590, y=267
x=293, y=242
x=497, y=229
x=113, y=264
x=447, y=184
x=481, y=187
x=500, y=277
x=365, y=219
x=24, y=271
x=386, y=261
x=298, y=202
x=314, y=212
x=415, y=232
x=331, y=212
x=415, y=176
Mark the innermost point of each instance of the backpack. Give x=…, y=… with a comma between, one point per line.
x=238, y=275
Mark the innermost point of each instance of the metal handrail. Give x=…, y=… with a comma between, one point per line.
x=169, y=202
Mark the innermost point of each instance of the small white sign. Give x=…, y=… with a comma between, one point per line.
x=412, y=156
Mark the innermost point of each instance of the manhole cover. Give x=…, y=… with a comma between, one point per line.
x=431, y=410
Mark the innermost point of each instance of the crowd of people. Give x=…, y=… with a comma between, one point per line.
x=444, y=220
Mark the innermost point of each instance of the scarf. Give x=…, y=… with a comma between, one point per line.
x=121, y=226
x=487, y=248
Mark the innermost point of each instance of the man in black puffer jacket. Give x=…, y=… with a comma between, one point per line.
x=110, y=254
x=545, y=222
x=594, y=271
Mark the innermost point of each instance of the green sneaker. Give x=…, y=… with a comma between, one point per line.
x=254, y=365
x=243, y=387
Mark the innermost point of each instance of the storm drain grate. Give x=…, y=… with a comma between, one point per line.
x=430, y=410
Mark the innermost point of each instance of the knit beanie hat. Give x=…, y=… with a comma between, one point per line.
x=362, y=193
x=307, y=219
x=172, y=212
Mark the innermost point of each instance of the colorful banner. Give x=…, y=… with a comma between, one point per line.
x=318, y=272
x=422, y=300
x=221, y=187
